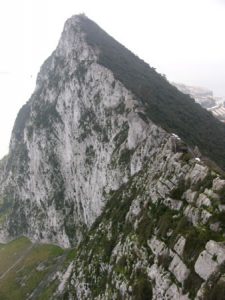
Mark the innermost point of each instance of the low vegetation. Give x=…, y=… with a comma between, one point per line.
x=165, y=105
x=26, y=268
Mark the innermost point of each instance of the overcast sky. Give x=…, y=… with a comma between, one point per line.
x=183, y=39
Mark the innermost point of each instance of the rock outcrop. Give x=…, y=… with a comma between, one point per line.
x=74, y=141
x=143, y=247
x=94, y=164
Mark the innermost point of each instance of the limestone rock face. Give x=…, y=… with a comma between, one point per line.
x=91, y=165
x=79, y=137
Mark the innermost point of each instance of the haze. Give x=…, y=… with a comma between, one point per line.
x=183, y=39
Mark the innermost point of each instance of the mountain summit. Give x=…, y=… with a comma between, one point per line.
x=103, y=158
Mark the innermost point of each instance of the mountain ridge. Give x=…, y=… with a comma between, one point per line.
x=98, y=161
x=131, y=71
x=57, y=133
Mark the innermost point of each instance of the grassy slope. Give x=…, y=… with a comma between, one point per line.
x=30, y=267
x=164, y=104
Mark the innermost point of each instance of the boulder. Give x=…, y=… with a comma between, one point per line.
x=190, y=196
x=179, y=269
x=198, y=174
x=218, y=185
x=210, y=259
x=203, y=200
x=179, y=246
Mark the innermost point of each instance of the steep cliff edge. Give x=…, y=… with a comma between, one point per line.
x=160, y=236
x=74, y=141
x=93, y=154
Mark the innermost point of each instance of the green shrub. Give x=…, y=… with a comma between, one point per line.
x=216, y=292
x=164, y=104
x=142, y=289
x=164, y=260
x=192, y=284
x=125, y=156
x=145, y=229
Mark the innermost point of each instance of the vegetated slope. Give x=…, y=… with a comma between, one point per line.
x=165, y=105
x=30, y=271
x=82, y=148
x=157, y=237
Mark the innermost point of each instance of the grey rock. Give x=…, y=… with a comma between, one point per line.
x=158, y=247
x=215, y=227
x=205, y=265
x=190, y=196
x=218, y=249
x=210, y=194
x=173, y=204
x=204, y=216
x=221, y=207
x=210, y=259
x=218, y=185
x=193, y=214
x=179, y=269
x=203, y=200
x=198, y=174
x=179, y=246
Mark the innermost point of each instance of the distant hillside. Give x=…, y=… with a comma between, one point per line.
x=164, y=103
x=205, y=98
x=201, y=95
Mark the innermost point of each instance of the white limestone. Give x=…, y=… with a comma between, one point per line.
x=64, y=278
x=190, y=196
x=218, y=185
x=205, y=265
x=217, y=249
x=173, y=204
x=158, y=247
x=179, y=269
x=193, y=214
x=222, y=207
x=198, y=174
x=203, y=200
x=209, y=260
x=179, y=246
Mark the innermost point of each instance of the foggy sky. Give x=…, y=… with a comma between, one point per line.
x=183, y=39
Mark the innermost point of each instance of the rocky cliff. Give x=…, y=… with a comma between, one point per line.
x=73, y=142
x=160, y=236
x=94, y=163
